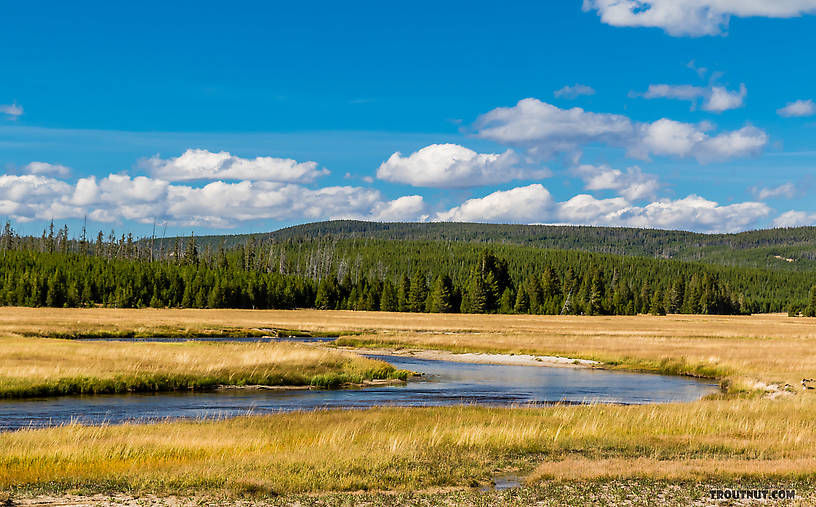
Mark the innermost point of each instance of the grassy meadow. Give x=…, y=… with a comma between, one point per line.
x=419, y=449
x=44, y=367
x=756, y=432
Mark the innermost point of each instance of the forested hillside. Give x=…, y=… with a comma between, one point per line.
x=379, y=274
x=791, y=249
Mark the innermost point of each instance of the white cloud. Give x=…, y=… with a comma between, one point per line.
x=795, y=219
x=586, y=209
x=696, y=213
x=46, y=168
x=797, y=109
x=13, y=111
x=720, y=99
x=745, y=142
x=715, y=98
x=534, y=204
x=451, y=165
x=682, y=140
x=29, y=197
x=632, y=184
x=518, y=205
x=545, y=129
x=680, y=92
x=690, y=213
x=406, y=208
x=195, y=164
x=785, y=190
x=120, y=197
x=574, y=91
x=693, y=17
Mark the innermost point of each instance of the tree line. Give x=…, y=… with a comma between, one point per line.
x=388, y=275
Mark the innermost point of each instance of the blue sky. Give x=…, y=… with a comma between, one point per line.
x=249, y=116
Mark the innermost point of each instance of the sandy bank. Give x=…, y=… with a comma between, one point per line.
x=480, y=358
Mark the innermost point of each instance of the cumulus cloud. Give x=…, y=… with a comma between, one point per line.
x=692, y=17
x=195, y=164
x=534, y=204
x=785, y=190
x=683, y=140
x=715, y=98
x=795, y=219
x=119, y=197
x=797, y=109
x=408, y=207
x=720, y=99
x=12, y=111
x=574, y=91
x=46, y=168
x=29, y=197
x=451, y=165
x=545, y=129
x=631, y=184
x=518, y=205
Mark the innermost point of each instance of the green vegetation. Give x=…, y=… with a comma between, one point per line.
x=780, y=249
x=379, y=274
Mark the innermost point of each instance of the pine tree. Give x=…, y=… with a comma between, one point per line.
x=476, y=296
x=522, y=304
x=388, y=299
x=419, y=292
x=404, y=294
x=594, y=297
x=441, y=295
x=506, y=301
x=810, y=310
x=656, y=307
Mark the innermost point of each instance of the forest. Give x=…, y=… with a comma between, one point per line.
x=58, y=270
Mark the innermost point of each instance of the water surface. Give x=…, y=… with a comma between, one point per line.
x=443, y=383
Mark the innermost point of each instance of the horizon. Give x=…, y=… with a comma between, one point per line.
x=473, y=114
x=75, y=235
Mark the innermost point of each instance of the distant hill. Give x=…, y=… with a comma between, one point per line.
x=779, y=249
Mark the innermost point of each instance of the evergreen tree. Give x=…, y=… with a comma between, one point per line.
x=388, y=299
x=656, y=307
x=810, y=310
x=475, y=300
x=441, y=295
x=522, y=304
x=506, y=302
x=404, y=294
x=418, y=294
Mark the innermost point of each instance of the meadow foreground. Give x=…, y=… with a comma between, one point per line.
x=758, y=431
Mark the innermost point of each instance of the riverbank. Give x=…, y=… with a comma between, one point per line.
x=36, y=367
x=473, y=357
x=749, y=354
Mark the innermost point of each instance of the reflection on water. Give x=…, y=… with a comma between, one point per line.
x=443, y=383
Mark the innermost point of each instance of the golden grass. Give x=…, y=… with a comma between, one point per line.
x=419, y=448
x=765, y=348
x=427, y=448
x=14, y=319
x=42, y=366
x=580, y=468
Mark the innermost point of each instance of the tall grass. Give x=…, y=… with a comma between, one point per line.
x=419, y=448
x=46, y=367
